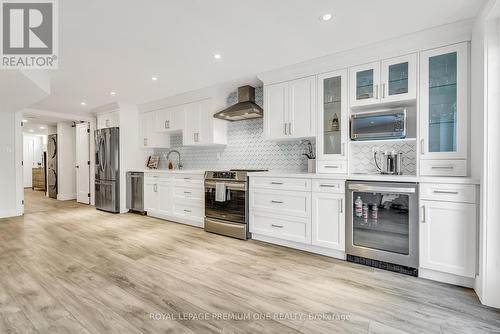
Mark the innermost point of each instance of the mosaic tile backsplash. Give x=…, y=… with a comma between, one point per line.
x=246, y=149
x=361, y=156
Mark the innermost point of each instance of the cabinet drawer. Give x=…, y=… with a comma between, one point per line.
x=465, y=193
x=443, y=167
x=188, y=177
x=335, y=167
x=157, y=176
x=188, y=209
x=328, y=186
x=293, y=229
x=296, y=184
x=297, y=204
x=189, y=192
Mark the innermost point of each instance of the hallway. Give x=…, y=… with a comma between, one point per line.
x=35, y=201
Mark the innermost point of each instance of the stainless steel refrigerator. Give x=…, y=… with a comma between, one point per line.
x=52, y=165
x=107, y=170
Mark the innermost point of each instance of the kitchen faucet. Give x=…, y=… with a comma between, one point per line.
x=179, y=166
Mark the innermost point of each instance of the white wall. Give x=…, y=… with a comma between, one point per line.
x=66, y=161
x=10, y=165
x=131, y=156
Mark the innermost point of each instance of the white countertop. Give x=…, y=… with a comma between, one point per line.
x=169, y=171
x=371, y=177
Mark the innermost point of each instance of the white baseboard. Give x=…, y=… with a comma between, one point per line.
x=467, y=282
x=178, y=219
x=297, y=245
x=65, y=197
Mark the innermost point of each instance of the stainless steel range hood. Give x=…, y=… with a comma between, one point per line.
x=246, y=108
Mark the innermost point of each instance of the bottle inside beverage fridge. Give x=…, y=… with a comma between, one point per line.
x=358, y=207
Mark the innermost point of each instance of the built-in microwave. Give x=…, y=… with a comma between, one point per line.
x=387, y=124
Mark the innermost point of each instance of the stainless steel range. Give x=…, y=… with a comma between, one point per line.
x=226, y=203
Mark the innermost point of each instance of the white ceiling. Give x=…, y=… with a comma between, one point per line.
x=119, y=44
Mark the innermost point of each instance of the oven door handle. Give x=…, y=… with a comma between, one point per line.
x=365, y=188
x=229, y=185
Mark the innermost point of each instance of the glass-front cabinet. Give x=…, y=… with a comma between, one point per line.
x=444, y=109
x=389, y=80
x=333, y=122
x=364, y=83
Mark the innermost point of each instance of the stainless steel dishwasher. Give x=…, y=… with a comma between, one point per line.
x=135, y=191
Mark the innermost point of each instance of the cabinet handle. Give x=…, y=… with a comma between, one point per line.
x=332, y=166
x=186, y=210
x=277, y=183
x=328, y=185
x=342, y=149
x=442, y=167
x=284, y=128
x=278, y=226
x=383, y=90
x=445, y=192
x=277, y=202
x=423, y=214
x=289, y=128
x=155, y=188
x=187, y=192
x=167, y=124
x=145, y=142
x=187, y=178
x=375, y=89
x=107, y=123
x=422, y=146
x=341, y=205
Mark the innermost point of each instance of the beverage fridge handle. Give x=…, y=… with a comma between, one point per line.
x=368, y=188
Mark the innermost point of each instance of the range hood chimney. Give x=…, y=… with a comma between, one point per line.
x=246, y=108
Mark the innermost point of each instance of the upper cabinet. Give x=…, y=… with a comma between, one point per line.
x=333, y=120
x=386, y=81
x=148, y=136
x=444, y=110
x=201, y=128
x=108, y=120
x=170, y=119
x=290, y=109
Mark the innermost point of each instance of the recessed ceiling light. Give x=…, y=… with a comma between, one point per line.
x=42, y=128
x=112, y=93
x=154, y=78
x=24, y=121
x=217, y=56
x=31, y=130
x=326, y=17
x=83, y=103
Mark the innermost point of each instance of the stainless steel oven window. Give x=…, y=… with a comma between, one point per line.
x=233, y=209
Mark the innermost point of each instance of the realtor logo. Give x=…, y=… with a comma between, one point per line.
x=29, y=34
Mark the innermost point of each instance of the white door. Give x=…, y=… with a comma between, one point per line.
x=150, y=195
x=83, y=163
x=399, y=78
x=28, y=160
x=328, y=221
x=276, y=111
x=302, y=114
x=164, y=190
x=444, y=102
x=365, y=84
x=448, y=237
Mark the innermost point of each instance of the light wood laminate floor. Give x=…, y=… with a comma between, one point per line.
x=68, y=268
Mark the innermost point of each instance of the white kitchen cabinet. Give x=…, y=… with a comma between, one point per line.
x=200, y=127
x=148, y=136
x=170, y=119
x=332, y=118
x=443, y=115
x=328, y=220
x=108, y=120
x=387, y=81
x=290, y=109
x=365, y=83
x=448, y=237
x=175, y=197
